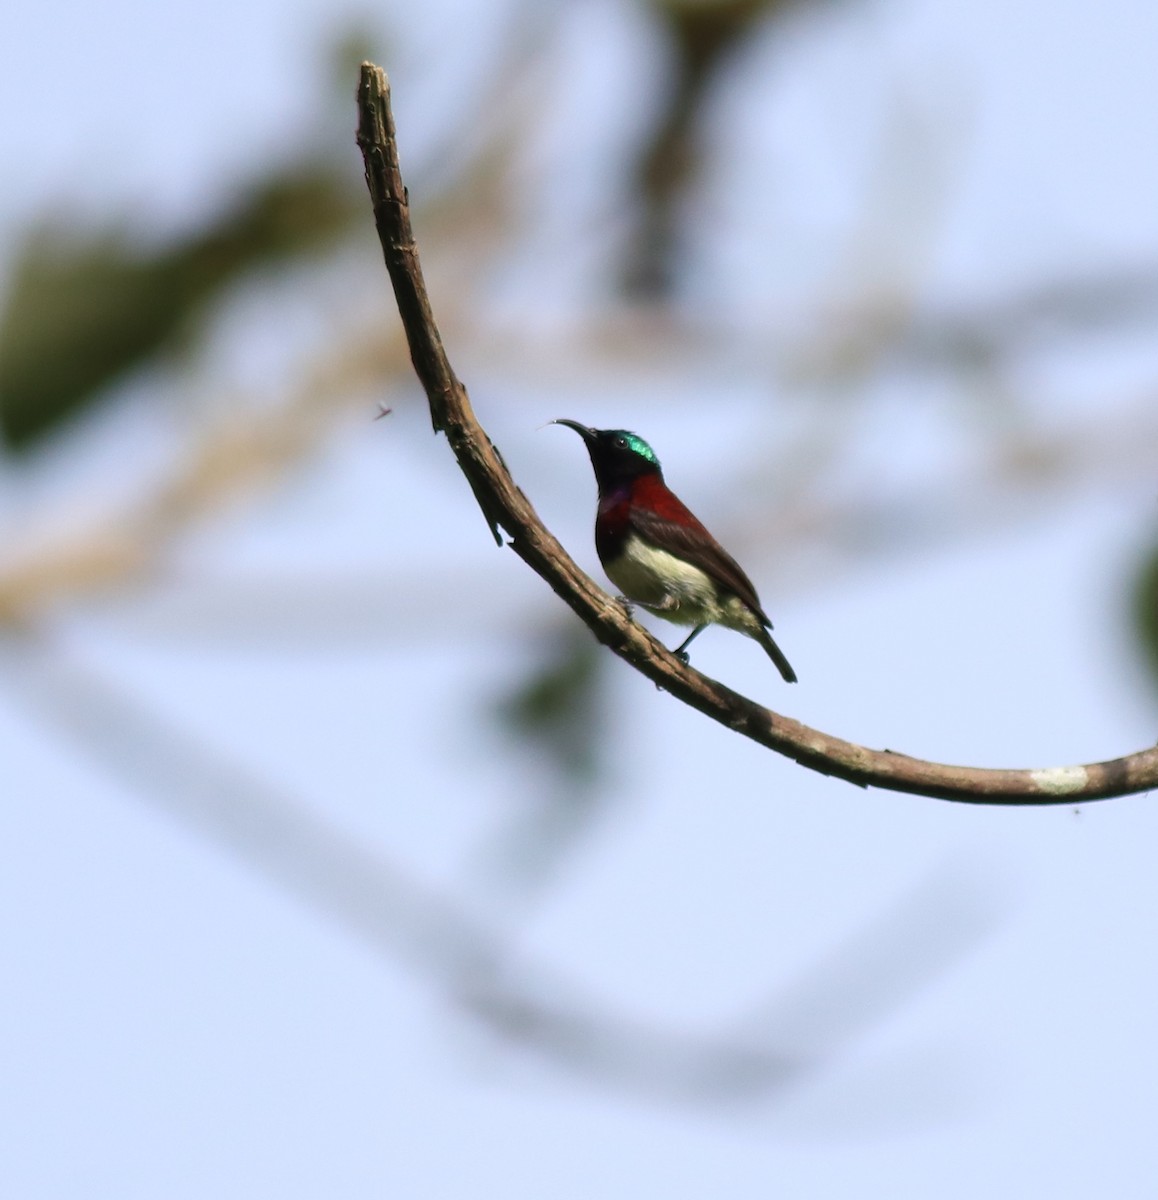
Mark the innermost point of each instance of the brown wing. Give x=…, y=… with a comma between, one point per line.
x=670, y=525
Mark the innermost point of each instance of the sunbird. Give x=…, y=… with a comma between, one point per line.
x=659, y=554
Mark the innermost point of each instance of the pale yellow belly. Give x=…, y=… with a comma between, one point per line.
x=665, y=584
x=673, y=589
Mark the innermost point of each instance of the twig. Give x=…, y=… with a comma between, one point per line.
x=507, y=508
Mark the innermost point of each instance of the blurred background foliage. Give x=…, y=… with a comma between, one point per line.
x=86, y=304
x=83, y=309
x=90, y=309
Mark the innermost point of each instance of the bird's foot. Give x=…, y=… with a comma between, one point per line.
x=681, y=651
x=627, y=606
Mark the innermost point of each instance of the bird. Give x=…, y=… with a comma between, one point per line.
x=658, y=553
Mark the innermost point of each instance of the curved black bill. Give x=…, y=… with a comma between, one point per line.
x=588, y=435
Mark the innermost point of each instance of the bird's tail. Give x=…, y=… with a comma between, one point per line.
x=777, y=656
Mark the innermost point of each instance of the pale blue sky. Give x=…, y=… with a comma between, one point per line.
x=175, y=1025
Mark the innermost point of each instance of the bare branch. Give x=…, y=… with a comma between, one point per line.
x=505, y=506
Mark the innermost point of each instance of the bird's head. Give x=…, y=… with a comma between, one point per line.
x=618, y=456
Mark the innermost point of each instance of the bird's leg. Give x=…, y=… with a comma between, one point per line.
x=682, y=651
x=627, y=606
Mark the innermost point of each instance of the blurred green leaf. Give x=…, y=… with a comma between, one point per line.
x=1146, y=610
x=81, y=312
x=559, y=711
x=702, y=36
x=559, y=707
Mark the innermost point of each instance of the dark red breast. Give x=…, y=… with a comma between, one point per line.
x=647, y=507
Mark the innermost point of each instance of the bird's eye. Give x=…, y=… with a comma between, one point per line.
x=621, y=442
